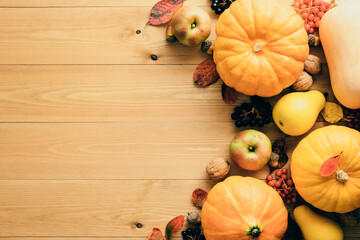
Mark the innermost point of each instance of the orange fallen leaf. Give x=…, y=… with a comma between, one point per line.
x=156, y=235
x=329, y=166
x=163, y=11
x=174, y=226
x=229, y=94
x=199, y=197
x=205, y=73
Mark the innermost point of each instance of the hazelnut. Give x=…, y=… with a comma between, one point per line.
x=312, y=64
x=218, y=168
x=303, y=83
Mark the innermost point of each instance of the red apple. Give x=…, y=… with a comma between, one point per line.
x=191, y=25
x=250, y=149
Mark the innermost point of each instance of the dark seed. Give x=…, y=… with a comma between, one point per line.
x=138, y=31
x=153, y=57
x=139, y=225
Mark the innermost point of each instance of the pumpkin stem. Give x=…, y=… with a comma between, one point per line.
x=254, y=232
x=257, y=47
x=341, y=176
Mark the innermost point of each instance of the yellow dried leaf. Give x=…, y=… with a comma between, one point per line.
x=332, y=112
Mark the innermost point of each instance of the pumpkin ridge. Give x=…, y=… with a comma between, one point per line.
x=271, y=22
x=239, y=23
x=274, y=43
x=221, y=213
x=265, y=222
x=236, y=205
x=284, y=55
x=286, y=24
x=289, y=35
x=273, y=69
x=246, y=237
x=236, y=55
x=247, y=64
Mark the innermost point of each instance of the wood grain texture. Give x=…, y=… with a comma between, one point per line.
x=95, y=208
x=91, y=35
x=116, y=94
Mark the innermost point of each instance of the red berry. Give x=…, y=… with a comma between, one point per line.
x=289, y=182
x=315, y=10
x=328, y=5
x=311, y=17
x=297, y=5
x=304, y=15
x=323, y=9
x=284, y=170
x=269, y=177
x=294, y=195
x=278, y=184
x=311, y=30
x=283, y=186
x=293, y=200
x=316, y=3
x=278, y=191
x=284, y=176
x=286, y=191
x=288, y=202
x=311, y=24
x=288, y=196
x=271, y=183
x=278, y=173
x=320, y=14
x=307, y=27
x=282, y=195
x=317, y=23
x=306, y=1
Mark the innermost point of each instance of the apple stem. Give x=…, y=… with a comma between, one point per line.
x=251, y=148
x=193, y=25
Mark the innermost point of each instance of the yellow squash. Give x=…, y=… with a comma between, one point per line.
x=339, y=192
x=316, y=227
x=340, y=38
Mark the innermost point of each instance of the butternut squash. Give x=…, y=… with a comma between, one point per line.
x=340, y=38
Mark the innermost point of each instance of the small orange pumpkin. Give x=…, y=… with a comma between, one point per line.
x=243, y=208
x=339, y=192
x=261, y=46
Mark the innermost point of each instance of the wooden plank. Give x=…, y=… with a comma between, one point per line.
x=95, y=208
x=115, y=94
x=90, y=35
x=139, y=150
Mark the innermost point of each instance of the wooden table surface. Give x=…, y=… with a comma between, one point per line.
x=95, y=136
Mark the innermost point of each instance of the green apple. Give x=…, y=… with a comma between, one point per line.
x=191, y=25
x=250, y=149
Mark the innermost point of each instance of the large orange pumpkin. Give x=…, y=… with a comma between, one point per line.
x=261, y=46
x=243, y=208
x=339, y=192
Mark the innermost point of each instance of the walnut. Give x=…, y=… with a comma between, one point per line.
x=303, y=83
x=312, y=64
x=218, y=168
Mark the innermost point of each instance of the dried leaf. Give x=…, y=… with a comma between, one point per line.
x=332, y=112
x=329, y=166
x=279, y=147
x=205, y=74
x=174, y=226
x=229, y=94
x=156, y=235
x=199, y=197
x=163, y=11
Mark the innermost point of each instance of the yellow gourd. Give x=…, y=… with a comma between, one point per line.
x=340, y=37
x=316, y=227
x=296, y=113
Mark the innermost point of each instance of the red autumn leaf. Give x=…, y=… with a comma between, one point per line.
x=174, y=226
x=205, y=73
x=229, y=94
x=156, y=235
x=329, y=166
x=199, y=197
x=163, y=11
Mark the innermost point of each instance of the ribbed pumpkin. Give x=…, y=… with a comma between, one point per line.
x=261, y=46
x=243, y=208
x=328, y=193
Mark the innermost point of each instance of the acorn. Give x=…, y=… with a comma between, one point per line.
x=193, y=218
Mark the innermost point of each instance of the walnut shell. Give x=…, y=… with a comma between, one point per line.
x=303, y=83
x=312, y=64
x=218, y=168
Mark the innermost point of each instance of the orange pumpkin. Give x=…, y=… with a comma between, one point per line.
x=243, y=208
x=261, y=46
x=339, y=192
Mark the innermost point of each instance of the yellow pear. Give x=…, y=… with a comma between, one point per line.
x=316, y=227
x=296, y=113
